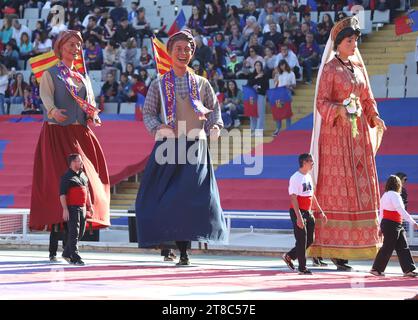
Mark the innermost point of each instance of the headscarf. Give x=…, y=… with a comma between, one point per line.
x=62, y=38
x=183, y=35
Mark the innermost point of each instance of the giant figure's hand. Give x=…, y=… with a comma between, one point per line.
x=59, y=114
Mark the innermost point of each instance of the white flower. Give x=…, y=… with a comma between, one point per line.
x=352, y=108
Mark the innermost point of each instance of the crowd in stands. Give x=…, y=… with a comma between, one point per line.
x=259, y=41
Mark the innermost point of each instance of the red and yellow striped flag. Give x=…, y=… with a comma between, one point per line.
x=161, y=56
x=47, y=60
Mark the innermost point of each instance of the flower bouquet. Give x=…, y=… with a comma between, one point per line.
x=353, y=107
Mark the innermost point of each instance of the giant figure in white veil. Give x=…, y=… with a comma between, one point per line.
x=344, y=147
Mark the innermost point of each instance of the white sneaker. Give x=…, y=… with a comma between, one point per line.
x=259, y=133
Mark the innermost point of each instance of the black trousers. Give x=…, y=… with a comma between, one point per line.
x=304, y=237
x=183, y=246
x=57, y=233
x=76, y=227
x=394, y=238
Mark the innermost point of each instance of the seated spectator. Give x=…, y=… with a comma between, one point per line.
x=145, y=77
x=300, y=35
x=119, y=12
x=196, y=20
x=322, y=36
x=233, y=67
x=250, y=10
x=253, y=42
x=250, y=25
x=34, y=86
x=10, y=57
x=273, y=35
x=203, y=53
x=124, y=31
x=109, y=90
x=16, y=88
x=213, y=19
x=93, y=55
x=111, y=58
x=6, y=31
x=248, y=65
x=268, y=11
x=145, y=59
x=124, y=89
x=220, y=49
x=129, y=53
x=85, y=8
x=4, y=83
x=285, y=77
x=29, y=106
x=289, y=42
x=309, y=56
x=138, y=86
x=130, y=70
x=93, y=31
x=198, y=69
x=292, y=24
x=291, y=59
x=270, y=61
x=327, y=22
x=25, y=47
x=233, y=102
x=236, y=41
x=214, y=74
x=18, y=30
x=339, y=16
x=142, y=26
x=42, y=43
x=74, y=23
x=232, y=19
x=309, y=22
x=109, y=30
x=133, y=13
x=39, y=27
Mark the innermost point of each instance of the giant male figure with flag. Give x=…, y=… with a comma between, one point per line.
x=69, y=105
x=178, y=199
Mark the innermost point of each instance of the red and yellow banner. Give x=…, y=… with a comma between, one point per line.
x=47, y=60
x=162, y=58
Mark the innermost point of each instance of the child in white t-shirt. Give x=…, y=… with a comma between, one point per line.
x=302, y=196
x=392, y=212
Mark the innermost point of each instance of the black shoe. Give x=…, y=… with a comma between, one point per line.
x=341, y=266
x=286, y=258
x=318, y=262
x=183, y=262
x=305, y=272
x=377, y=273
x=68, y=259
x=53, y=259
x=78, y=262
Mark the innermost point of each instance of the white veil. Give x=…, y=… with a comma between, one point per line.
x=375, y=135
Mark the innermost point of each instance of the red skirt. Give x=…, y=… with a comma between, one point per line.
x=284, y=112
x=54, y=146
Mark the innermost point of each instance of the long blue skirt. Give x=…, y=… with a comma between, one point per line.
x=179, y=201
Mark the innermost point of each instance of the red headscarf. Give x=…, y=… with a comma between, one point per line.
x=63, y=37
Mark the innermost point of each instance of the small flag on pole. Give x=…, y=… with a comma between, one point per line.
x=47, y=60
x=280, y=101
x=406, y=24
x=250, y=101
x=161, y=56
x=178, y=24
x=140, y=100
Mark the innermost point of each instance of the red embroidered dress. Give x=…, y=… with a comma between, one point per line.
x=347, y=185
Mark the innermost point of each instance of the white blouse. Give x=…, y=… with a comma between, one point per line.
x=392, y=201
x=285, y=79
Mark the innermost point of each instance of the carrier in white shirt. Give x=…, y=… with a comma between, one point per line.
x=302, y=186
